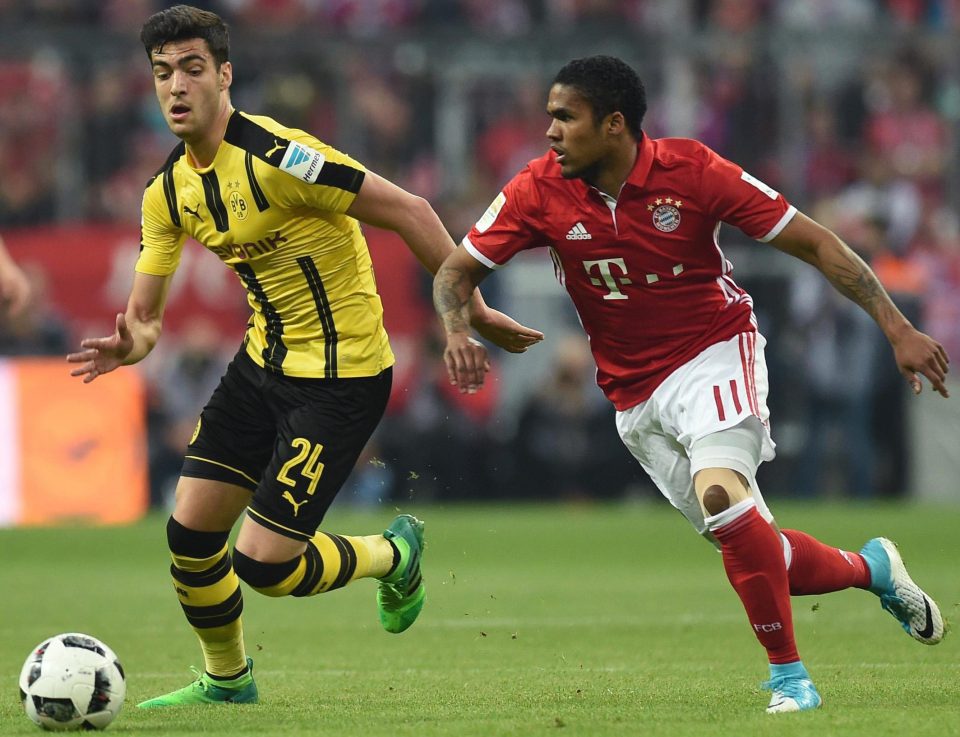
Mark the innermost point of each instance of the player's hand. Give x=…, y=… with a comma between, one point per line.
x=102, y=355
x=466, y=362
x=917, y=353
x=503, y=331
x=14, y=290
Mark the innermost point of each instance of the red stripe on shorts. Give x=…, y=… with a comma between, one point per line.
x=719, y=401
x=746, y=362
x=736, y=395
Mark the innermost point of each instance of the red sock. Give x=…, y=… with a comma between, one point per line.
x=753, y=558
x=819, y=569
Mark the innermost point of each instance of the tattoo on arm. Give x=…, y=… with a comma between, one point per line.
x=451, y=293
x=855, y=280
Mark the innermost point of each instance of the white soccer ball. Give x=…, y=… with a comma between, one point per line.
x=72, y=681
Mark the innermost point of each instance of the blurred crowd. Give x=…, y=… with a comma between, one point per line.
x=439, y=96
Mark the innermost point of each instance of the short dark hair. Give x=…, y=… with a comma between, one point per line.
x=609, y=85
x=182, y=22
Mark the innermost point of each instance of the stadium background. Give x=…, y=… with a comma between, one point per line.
x=850, y=108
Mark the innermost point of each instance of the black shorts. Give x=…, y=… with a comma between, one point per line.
x=293, y=442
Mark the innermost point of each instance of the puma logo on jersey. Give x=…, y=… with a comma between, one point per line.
x=195, y=212
x=272, y=151
x=578, y=233
x=296, y=505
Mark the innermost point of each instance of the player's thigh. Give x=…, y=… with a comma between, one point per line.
x=236, y=432
x=663, y=458
x=325, y=426
x=209, y=506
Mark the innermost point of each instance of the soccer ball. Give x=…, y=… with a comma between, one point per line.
x=72, y=681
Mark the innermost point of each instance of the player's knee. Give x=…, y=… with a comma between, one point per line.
x=716, y=499
x=263, y=577
x=195, y=544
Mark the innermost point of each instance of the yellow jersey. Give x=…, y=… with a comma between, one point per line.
x=271, y=206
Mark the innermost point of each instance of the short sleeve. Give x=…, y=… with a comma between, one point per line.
x=733, y=196
x=317, y=175
x=506, y=227
x=161, y=241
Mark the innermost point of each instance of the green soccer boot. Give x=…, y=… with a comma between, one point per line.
x=401, y=593
x=207, y=690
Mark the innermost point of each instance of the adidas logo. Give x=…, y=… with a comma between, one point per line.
x=578, y=233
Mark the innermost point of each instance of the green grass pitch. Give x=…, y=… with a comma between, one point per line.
x=540, y=620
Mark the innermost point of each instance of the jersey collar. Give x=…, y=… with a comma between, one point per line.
x=637, y=176
x=641, y=167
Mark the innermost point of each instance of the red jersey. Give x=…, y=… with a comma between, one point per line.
x=645, y=271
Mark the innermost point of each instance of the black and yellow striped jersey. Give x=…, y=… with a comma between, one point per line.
x=271, y=206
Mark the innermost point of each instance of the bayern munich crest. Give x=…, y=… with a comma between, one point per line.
x=666, y=213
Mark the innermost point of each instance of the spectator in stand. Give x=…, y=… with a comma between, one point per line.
x=817, y=15
x=32, y=328
x=385, y=104
x=440, y=447
x=515, y=133
x=842, y=351
x=565, y=442
x=937, y=253
x=906, y=129
x=881, y=195
x=14, y=285
x=181, y=384
x=829, y=163
x=33, y=94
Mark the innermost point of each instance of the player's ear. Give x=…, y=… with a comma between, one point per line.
x=615, y=123
x=226, y=75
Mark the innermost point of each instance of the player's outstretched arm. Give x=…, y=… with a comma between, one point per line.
x=464, y=357
x=385, y=205
x=915, y=352
x=136, y=332
x=14, y=285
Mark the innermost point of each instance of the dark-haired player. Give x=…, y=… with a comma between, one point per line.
x=632, y=225
x=299, y=401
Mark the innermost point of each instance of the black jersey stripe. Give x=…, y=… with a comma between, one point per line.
x=255, y=139
x=341, y=176
x=169, y=189
x=269, y=147
x=274, y=352
x=170, y=192
x=258, y=196
x=215, y=203
x=325, y=314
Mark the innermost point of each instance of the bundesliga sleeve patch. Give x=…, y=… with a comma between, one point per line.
x=768, y=191
x=488, y=218
x=302, y=162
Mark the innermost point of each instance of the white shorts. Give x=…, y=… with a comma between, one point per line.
x=718, y=390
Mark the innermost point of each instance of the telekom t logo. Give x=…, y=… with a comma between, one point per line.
x=612, y=281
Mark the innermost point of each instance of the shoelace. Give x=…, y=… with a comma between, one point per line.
x=200, y=682
x=392, y=592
